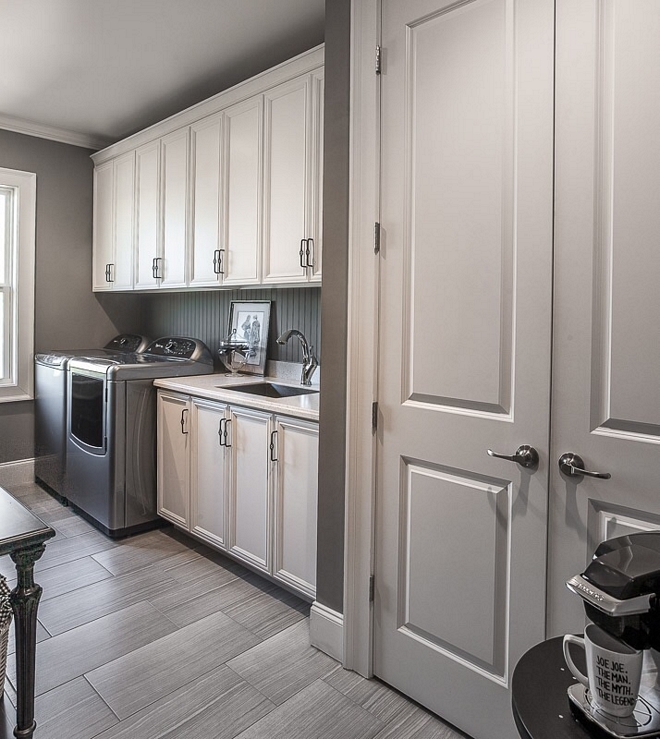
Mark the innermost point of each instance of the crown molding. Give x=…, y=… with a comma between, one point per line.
x=52, y=133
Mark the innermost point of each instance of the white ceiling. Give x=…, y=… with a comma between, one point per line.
x=102, y=69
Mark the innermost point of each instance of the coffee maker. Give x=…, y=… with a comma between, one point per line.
x=621, y=593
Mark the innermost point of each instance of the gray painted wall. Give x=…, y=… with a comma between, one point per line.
x=334, y=306
x=67, y=314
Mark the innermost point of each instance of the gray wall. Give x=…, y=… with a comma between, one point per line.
x=334, y=320
x=67, y=314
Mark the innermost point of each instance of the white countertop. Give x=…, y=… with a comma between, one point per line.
x=218, y=387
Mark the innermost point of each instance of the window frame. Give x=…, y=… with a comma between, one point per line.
x=21, y=281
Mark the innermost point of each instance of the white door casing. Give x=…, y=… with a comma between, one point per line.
x=465, y=301
x=605, y=398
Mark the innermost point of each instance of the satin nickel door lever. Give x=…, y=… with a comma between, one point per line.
x=573, y=465
x=525, y=456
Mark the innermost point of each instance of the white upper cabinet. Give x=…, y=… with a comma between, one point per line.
x=147, y=206
x=314, y=255
x=206, y=249
x=242, y=193
x=292, y=168
x=171, y=266
x=103, y=236
x=286, y=177
x=226, y=193
x=114, y=224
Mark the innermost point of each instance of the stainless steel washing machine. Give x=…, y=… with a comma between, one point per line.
x=50, y=405
x=111, y=431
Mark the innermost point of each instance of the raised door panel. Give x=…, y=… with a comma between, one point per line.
x=206, y=193
x=124, y=216
x=295, y=504
x=172, y=267
x=103, y=237
x=174, y=458
x=249, y=538
x=208, y=473
x=147, y=215
x=315, y=191
x=243, y=164
x=286, y=181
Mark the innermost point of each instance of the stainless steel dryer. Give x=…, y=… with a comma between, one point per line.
x=111, y=431
x=50, y=405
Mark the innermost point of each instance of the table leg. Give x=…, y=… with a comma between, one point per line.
x=25, y=601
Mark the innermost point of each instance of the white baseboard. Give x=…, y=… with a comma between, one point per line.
x=20, y=472
x=326, y=630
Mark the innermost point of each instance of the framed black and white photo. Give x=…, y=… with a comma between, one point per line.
x=248, y=322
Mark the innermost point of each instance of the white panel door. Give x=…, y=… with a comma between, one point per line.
x=249, y=505
x=296, y=455
x=209, y=479
x=606, y=395
x=173, y=458
x=464, y=366
x=121, y=272
x=147, y=215
x=171, y=268
x=206, y=193
x=103, y=237
x=286, y=180
x=243, y=162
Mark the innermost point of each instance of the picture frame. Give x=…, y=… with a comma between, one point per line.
x=249, y=321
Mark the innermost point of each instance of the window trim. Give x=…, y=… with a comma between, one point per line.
x=21, y=386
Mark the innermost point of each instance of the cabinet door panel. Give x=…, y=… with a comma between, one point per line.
x=243, y=173
x=103, y=225
x=296, y=489
x=249, y=505
x=173, y=458
x=172, y=270
x=147, y=215
x=122, y=270
x=206, y=196
x=208, y=473
x=286, y=179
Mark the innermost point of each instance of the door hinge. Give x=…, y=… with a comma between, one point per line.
x=374, y=416
x=379, y=61
x=376, y=238
x=372, y=588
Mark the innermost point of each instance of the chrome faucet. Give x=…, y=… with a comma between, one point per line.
x=310, y=362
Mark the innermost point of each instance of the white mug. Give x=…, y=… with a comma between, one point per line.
x=614, y=670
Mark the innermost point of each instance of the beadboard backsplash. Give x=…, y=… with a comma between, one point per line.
x=205, y=316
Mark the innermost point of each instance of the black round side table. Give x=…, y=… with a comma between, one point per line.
x=538, y=694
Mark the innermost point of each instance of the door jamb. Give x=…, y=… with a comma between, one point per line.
x=362, y=339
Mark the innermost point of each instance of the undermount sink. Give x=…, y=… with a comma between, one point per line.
x=271, y=389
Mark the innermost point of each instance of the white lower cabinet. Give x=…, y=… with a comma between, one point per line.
x=249, y=514
x=173, y=460
x=296, y=452
x=208, y=472
x=242, y=480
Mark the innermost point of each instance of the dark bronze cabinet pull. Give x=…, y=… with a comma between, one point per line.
x=183, y=421
x=273, y=458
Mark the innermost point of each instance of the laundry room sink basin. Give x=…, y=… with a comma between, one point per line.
x=271, y=389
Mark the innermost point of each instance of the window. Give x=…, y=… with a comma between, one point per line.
x=17, y=245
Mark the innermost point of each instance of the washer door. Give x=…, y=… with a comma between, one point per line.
x=87, y=411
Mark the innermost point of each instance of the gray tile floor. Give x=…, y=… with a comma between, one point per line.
x=157, y=636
